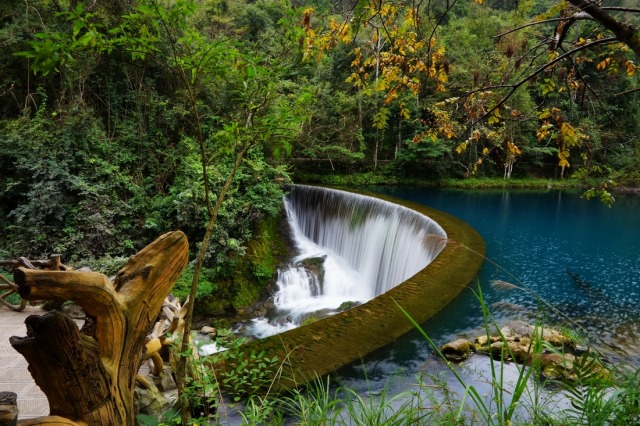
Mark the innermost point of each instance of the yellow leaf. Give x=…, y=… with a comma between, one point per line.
x=630, y=67
x=513, y=148
x=544, y=114
x=460, y=148
x=485, y=151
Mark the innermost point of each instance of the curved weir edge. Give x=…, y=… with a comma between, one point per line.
x=323, y=346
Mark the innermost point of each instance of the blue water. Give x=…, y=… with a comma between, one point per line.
x=578, y=255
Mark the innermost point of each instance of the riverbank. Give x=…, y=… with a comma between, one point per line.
x=381, y=178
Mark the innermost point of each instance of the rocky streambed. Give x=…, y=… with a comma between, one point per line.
x=557, y=355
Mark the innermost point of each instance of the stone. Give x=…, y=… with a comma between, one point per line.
x=520, y=328
x=557, y=366
x=314, y=265
x=150, y=401
x=482, y=340
x=74, y=311
x=164, y=382
x=520, y=351
x=458, y=350
x=496, y=349
x=209, y=330
x=556, y=338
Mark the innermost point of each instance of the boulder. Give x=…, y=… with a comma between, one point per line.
x=516, y=342
x=314, y=265
x=458, y=350
x=150, y=401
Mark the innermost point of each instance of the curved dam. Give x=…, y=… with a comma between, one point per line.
x=375, y=251
x=351, y=248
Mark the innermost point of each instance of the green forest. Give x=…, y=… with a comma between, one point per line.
x=123, y=119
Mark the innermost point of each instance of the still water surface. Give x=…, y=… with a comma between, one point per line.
x=581, y=256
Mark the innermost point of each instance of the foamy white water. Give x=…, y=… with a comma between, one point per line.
x=369, y=246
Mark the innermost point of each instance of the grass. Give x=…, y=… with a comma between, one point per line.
x=372, y=179
x=593, y=398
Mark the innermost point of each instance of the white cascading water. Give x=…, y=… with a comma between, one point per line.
x=369, y=246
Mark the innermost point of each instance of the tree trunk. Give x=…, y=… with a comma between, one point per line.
x=626, y=33
x=89, y=375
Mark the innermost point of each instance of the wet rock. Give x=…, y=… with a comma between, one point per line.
x=458, y=350
x=486, y=340
x=520, y=330
x=517, y=342
x=264, y=309
x=150, y=401
x=347, y=305
x=315, y=265
x=565, y=366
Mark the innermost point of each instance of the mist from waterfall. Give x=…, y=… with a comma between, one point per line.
x=361, y=246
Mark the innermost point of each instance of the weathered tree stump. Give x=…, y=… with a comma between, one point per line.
x=88, y=376
x=8, y=409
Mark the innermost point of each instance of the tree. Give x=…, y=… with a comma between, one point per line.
x=391, y=63
x=607, y=35
x=256, y=111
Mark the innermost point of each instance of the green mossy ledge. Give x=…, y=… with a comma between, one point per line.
x=323, y=346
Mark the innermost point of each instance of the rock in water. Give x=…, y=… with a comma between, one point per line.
x=458, y=350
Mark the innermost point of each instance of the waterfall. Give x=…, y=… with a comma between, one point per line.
x=351, y=247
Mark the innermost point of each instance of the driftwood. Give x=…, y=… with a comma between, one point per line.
x=166, y=333
x=8, y=409
x=88, y=376
x=7, y=288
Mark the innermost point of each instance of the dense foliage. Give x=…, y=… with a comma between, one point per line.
x=111, y=109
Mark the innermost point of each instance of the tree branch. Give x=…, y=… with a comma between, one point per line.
x=625, y=33
x=515, y=86
x=531, y=24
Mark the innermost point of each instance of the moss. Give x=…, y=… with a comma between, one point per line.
x=309, y=320
x=259, y=267
x=331, y=342
x=369, y=179
x=252, y=273
x=347, y=305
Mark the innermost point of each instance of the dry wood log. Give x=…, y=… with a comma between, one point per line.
x=90, y=378
x=8, y=409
